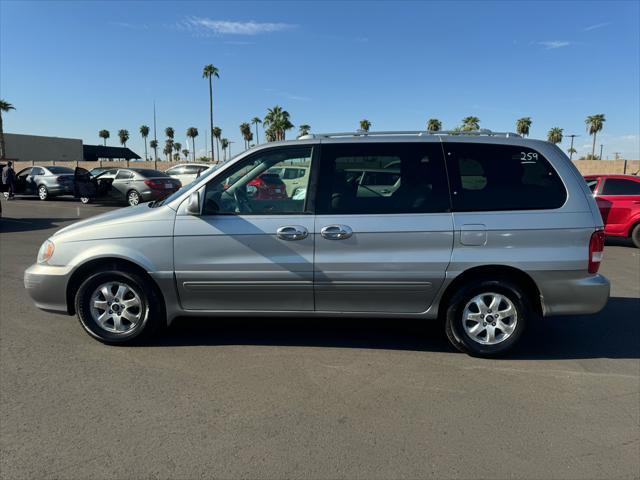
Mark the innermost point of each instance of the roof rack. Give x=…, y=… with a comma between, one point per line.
x=418, y=133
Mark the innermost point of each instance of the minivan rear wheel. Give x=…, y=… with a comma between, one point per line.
x=118, y=307
x=487, y=318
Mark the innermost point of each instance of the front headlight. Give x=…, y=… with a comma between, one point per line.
x=46, y=251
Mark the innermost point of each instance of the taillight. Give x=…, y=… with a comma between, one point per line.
x=596, y=249
x=154, y=185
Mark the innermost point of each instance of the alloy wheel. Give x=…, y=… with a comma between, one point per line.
x=116, y=307
x=489, y=318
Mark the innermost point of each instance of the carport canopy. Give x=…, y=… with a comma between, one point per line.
x=96, y=152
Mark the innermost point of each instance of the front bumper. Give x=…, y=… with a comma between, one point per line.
x=572, y=293
x=47, y=286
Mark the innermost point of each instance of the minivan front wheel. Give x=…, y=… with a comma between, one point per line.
x=486, y=318
x=118, y=307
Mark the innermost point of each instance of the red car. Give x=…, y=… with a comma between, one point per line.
x=618, y=198
x=268, y=186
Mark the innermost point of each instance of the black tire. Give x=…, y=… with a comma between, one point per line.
x=43, y=192
x=455, y=321
x=152, y=315
x=635, y=235
x=132, y=195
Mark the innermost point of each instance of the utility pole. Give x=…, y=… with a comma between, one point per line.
x=155, y=139
x=600, y=151
x=230, y=142
x=572, y=136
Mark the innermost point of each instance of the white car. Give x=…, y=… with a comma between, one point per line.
x=187, y=172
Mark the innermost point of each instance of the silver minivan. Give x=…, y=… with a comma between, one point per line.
x=485, y=231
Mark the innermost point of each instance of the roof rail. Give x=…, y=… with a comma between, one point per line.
x=418, y=133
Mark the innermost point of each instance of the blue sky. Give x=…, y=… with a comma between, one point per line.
x=73, y=68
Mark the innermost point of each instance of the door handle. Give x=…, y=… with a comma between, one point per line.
x=336, y=232
x=292, y=232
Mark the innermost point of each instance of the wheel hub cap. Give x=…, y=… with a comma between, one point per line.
x=489, y=318
x=116, y=307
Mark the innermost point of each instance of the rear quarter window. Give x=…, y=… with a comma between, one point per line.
x=486, y=177
x=620, y=186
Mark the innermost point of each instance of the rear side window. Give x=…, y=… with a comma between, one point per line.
x=488, y=177
x=620, y=186
x=38, y=171
x=377, y=178
x=124, y=175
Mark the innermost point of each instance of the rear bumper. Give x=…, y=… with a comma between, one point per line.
x=572, y=293
x=148, y=195
x=47, y=286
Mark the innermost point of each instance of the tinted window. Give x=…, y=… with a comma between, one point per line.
x=149, y=172
x=592, y=184
x=124, y=175
x=251, y=187
x=382, y=178
x=58, y=170
x=620, y=186
x=501, y=177
x=37, y=171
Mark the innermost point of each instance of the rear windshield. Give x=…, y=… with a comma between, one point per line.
x=58, y=170
x=149, y=172
x=271, y=178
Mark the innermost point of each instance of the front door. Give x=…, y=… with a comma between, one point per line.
x=252, y=246
x=381, y=249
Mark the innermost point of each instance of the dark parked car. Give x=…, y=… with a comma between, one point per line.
x=124, y=185
x=45, y=182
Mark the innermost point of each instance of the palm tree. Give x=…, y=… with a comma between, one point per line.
x=168, y=148
x=104, y=134
x=303, y=130
x=278, y=120
x=555, y=135
x=249, y=139
x=185, y=152
x=571, y=151
x=144, y=131
x=4, y=107
x=523, y=125
x=256, y=121
x=595, y=123
x=271, y=134
x=470, y=123
x=192, y=133
x=216, y=132
x=209, y=71
x=177, y=147
x=245, y=131
x=434, y=125
x=365, y=125
x=225, y=144
x=123, y=135
x=154, y=144
x=169, y=132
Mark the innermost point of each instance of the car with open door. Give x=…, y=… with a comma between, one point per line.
x=128, y=186
x=44, y=182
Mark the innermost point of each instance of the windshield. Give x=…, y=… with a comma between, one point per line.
x=58, y=170
x=186, y=187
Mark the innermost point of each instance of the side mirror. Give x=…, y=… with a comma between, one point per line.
x=193, y=204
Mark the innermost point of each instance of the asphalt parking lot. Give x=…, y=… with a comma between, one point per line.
x=311, y=399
